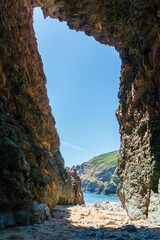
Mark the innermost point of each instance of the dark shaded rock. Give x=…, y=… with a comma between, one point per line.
x=130, y=28
x=36, y=213
x=130, y=228
x=100, y=235
x=22, y=218
x=120, y=238
x=126, y=235
x=6, y=220
x=92, y=234
x=144, y=228
x=112, y=236
x=82, y=236
x=27, y=127
x=12, y=156
x=16, y=236
x=32, y=168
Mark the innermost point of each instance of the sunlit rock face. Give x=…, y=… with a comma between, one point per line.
x=31, y=166
x=132, y=27
x=32, y=169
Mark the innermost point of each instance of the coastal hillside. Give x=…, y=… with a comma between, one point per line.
x=98, y=175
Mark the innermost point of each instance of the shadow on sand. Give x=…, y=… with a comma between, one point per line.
x=64, y=227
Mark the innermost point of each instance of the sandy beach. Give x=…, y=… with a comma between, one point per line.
x=90, y=221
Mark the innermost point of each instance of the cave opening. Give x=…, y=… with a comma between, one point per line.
x=82, y=84
x=29, y=140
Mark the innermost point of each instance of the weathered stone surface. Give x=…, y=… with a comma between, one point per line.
x=101, y=179
x=34, y=213
x=77, y=196
x=132, y=27
x=31, y=166
x=72, y=189
x=26, y=123
x=6, y=220
x=154, y=208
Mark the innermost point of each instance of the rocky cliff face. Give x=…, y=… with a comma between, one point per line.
x=29, y=142
x=32, y=169
x=99, y=175
x=132, y=27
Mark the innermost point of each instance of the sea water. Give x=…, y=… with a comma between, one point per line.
x=92, y=197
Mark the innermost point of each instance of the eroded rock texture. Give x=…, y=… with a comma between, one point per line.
x=31, y=167
x=132, y=27
x=99, y=174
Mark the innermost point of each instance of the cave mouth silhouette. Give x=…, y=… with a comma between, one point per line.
x=84, y=73
x=132, y=27
x=25, y=104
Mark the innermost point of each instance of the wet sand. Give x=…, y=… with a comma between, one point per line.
x=90, y=221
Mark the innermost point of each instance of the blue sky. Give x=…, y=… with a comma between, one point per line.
x=82, y=84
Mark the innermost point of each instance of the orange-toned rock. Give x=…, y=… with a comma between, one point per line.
x=31, y=167
x=132, y=27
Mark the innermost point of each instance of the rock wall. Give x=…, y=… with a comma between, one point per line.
x=31, y=167
x=105, y=182
x=99, y=174
x=77, y=196
x=132, y=27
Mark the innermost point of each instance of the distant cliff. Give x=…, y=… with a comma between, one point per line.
x=99, y=174
x=31, y=169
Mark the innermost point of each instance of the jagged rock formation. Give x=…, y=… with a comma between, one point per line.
x=77, y=196
x=27, y=126
x=99, y=175
x=132, y=27
x=32, y=173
